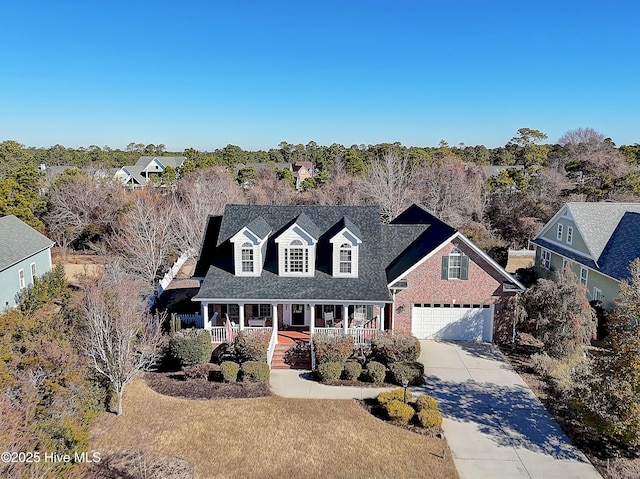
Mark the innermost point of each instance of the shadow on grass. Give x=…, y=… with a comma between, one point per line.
x=510, y=415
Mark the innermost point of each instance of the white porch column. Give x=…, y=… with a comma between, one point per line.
x=241, y=319
x=274, y=320
x=345, y=318
x=205, y=315
x=381, y=325
x=312, y=319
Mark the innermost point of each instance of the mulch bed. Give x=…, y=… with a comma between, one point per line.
x=176, y=385
x=613, y=460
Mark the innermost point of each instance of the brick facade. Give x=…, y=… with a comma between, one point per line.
x=483, y=286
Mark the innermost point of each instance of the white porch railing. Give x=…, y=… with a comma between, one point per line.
x=272, y=347
x=220, y=334
x=361, y=336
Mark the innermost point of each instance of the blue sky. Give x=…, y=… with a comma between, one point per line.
x=205, y=74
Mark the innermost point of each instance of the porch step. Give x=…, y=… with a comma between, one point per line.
x=288, y=356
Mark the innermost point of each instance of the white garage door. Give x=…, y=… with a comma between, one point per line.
x=470, y=322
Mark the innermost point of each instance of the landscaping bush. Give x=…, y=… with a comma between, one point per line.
x=329, y=372
x=332, y=349
x=399, y=412
x=229, y=371
x=430, y=418
x=252, y=346
x=191, y=346
x=376, y=372
x=395, y=346
x=197, y=371
x=425, y=402
x=254, y=371
x=352, y=370
x=386, y=397
x=411, y=371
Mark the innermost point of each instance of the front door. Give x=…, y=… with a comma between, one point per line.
x=297, y=314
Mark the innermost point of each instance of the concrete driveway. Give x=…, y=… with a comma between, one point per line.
x=494, y=424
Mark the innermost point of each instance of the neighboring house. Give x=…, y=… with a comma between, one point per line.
x=596, y=240
x=301, y=171
x=146, y=168
x=331, y=269
x=24, y=254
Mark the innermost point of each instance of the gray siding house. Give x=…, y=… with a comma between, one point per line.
x=596, y=240
x=24, y=255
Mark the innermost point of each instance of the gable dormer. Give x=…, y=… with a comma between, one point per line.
x=297, y=248
x=346, y=250
x=250, y=247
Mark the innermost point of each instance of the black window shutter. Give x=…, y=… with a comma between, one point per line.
x=445, y=267
x=464, y=272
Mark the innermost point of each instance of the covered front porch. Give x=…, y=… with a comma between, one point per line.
x=360, y=320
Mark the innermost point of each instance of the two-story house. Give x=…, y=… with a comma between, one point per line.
x=312, y=267
x=596, y=240
x=146, y=168
x=25, y=254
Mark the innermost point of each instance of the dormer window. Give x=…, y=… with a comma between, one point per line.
x=247, y=258
x=346, y=245
x=345, y=258
x=296, y=258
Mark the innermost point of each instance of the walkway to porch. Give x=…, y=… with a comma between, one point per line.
x=292, y=350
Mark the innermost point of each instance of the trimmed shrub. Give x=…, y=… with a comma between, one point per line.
x=329, y=372
x=394, y=347
x=399, y=412
x=332, y=349
x=229, y=371
x=395, y=394
x=191, y=346
x=430, y=418
x=252, y=346
x=425, y=402
x=197, y=371
x=376, y=372
x=254, y=371
x=411, y=371
x=352, y=370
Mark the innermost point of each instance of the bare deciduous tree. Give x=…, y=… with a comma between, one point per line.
x=269, y=189
x=202, y=193
x=121, y=337
x=82, y=206
x=451, y=190
x=344, y=189
x=390, y=184
x=144, y=236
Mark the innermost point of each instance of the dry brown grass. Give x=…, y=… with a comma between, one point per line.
x=516, y=262
x=270, y=438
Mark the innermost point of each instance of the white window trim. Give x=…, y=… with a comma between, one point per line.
x=569, y=235
x=559, y=231
x=545, y=258
x=455, y=271
x=32, y=270
x=584, y=276
x=250, y=263
x=21, y=280
x=306, y=259
x=345, y=237
x=597, y=294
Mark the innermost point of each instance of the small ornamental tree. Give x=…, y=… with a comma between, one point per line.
x=558, y=313
x=612, y=399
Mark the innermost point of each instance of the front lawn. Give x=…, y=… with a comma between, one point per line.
x=269, y=437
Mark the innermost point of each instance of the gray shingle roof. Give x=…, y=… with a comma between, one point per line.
x=598, y=221
x=19, y=241
x=259, y=227
x=386, y=252
x=173, y=161
x=221, y=283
